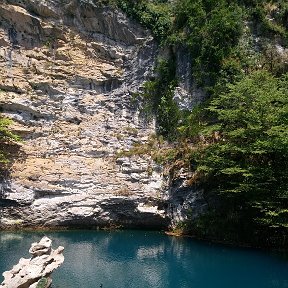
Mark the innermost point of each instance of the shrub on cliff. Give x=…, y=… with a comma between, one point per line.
x=6, y=137
x=155, y=15
x=210, y=29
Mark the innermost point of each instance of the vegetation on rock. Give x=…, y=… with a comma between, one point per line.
x=236, y=142
x=6, y=138
x=43, y=282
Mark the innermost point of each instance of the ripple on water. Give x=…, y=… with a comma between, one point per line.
x=142, y=259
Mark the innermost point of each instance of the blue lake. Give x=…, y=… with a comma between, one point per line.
x=142, y=259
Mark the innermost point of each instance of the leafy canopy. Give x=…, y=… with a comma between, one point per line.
x=245, y=156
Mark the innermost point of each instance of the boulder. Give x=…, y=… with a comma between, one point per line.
x=36, y=271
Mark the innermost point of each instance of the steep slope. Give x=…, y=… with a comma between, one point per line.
x=68, y=72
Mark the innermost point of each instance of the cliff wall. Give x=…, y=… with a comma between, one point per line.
x=68, y=72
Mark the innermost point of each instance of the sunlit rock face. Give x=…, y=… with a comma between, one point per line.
x=68, y=72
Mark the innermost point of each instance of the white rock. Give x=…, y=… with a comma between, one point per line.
x=28, y=272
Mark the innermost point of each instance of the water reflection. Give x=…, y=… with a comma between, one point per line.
x=140, y=259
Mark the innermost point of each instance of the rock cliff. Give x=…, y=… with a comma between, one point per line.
x=69, y=70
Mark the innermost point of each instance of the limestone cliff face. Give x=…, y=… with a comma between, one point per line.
x=68, y=72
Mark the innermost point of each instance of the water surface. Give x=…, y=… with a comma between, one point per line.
x=142, y=259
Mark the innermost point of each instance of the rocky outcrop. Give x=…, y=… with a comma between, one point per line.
x=29, y=273
x=68, y=73
x=187, y=95
x=185, y=202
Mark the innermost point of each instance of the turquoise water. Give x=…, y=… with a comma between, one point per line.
x=140, y=259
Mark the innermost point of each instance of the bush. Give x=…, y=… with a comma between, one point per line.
x=155, y=15
x=6, y=136
x=210, y=29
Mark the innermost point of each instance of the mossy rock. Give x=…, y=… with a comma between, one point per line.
x=43, y=283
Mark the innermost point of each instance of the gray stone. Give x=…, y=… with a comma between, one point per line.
x=43, y=247
x=187, y=95
x=28, y=272
x=185, y=202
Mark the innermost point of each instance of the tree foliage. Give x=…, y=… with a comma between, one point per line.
x=155, y=15
x=210, y=29
x=246, y=164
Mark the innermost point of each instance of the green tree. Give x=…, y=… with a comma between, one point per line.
x=210, y=29
x=244, y=159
